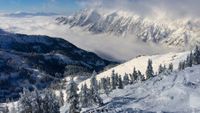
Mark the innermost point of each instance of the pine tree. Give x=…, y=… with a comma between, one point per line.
x=6, y=109
x=126, y=79
x=196, y=55
x=50, y=103
x=183, y=65
x=180, y=66
x=121, y=86
x=160, y=69
x=113, y=80
x=170, y=67
x=149, y=71
x=189, y=60
x=61, y=98
x=108, y=83
x=105, y=86
x=133, y=76
x=140, y=76
x=38, y=102
x=100, y=87
x=117, y=79
x=73, y=97
x=85, y=96
x=25, y=102
x=94, y=90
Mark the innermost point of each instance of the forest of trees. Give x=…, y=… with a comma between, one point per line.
x=45, y=101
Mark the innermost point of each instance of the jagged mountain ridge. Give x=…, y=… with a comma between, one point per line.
x=179, y=33
x=38, y=61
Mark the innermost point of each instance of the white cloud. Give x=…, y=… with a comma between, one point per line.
x=172, y=8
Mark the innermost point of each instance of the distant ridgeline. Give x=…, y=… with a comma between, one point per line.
x=37, y=61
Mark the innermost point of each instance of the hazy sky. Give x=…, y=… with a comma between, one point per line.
x=143, y=7
x=56, y=6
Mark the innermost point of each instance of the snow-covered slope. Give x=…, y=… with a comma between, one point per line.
x=179, y=33
x=140, y=63
x=176, y=92
x=35, y=60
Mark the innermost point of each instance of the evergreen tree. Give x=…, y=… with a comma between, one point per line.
x=117, y=79
x=100, y=87
x=133, y=76
x=105, y=86
x=189, y=60
x=6, y=109
x=38, y=102
x=140, y=76
x=183, y=65
x=121, y=86
x=61, y=98
x=180, y=66
x=149, y=71
x=73, y=97
x=196, y=55
x=25, y=102
x=160, y=69
x=85, y=96
x=94, y=90
x=113, y=80
x=170, y=67
x=108, y=83
x=50, y=103
x=126, y=79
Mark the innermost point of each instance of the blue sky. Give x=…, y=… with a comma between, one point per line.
x=58, y=6
x=143, y=7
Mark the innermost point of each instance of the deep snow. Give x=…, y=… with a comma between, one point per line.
x=169, y=92
x=140, y=63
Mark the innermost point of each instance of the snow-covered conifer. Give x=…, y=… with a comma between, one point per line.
x=149, y=71
x=73, y=97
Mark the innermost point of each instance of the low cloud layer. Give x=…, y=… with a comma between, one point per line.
x=169, y=8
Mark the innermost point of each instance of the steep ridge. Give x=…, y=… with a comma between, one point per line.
x=38, y=61
x=179, y=33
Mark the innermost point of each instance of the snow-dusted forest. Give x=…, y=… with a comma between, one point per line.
x=99, y=56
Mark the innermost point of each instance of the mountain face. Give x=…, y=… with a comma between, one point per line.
x=37, y=61
x=159, y=94
x=179, y=33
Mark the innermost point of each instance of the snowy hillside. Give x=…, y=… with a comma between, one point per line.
x=179, y=33
x=37, y=61
x=176, y=92
x=140, y=63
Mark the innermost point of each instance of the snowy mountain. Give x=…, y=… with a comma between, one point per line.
x=176, y=92
x=179, y=33
x=140, y=63
x=37, y=61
